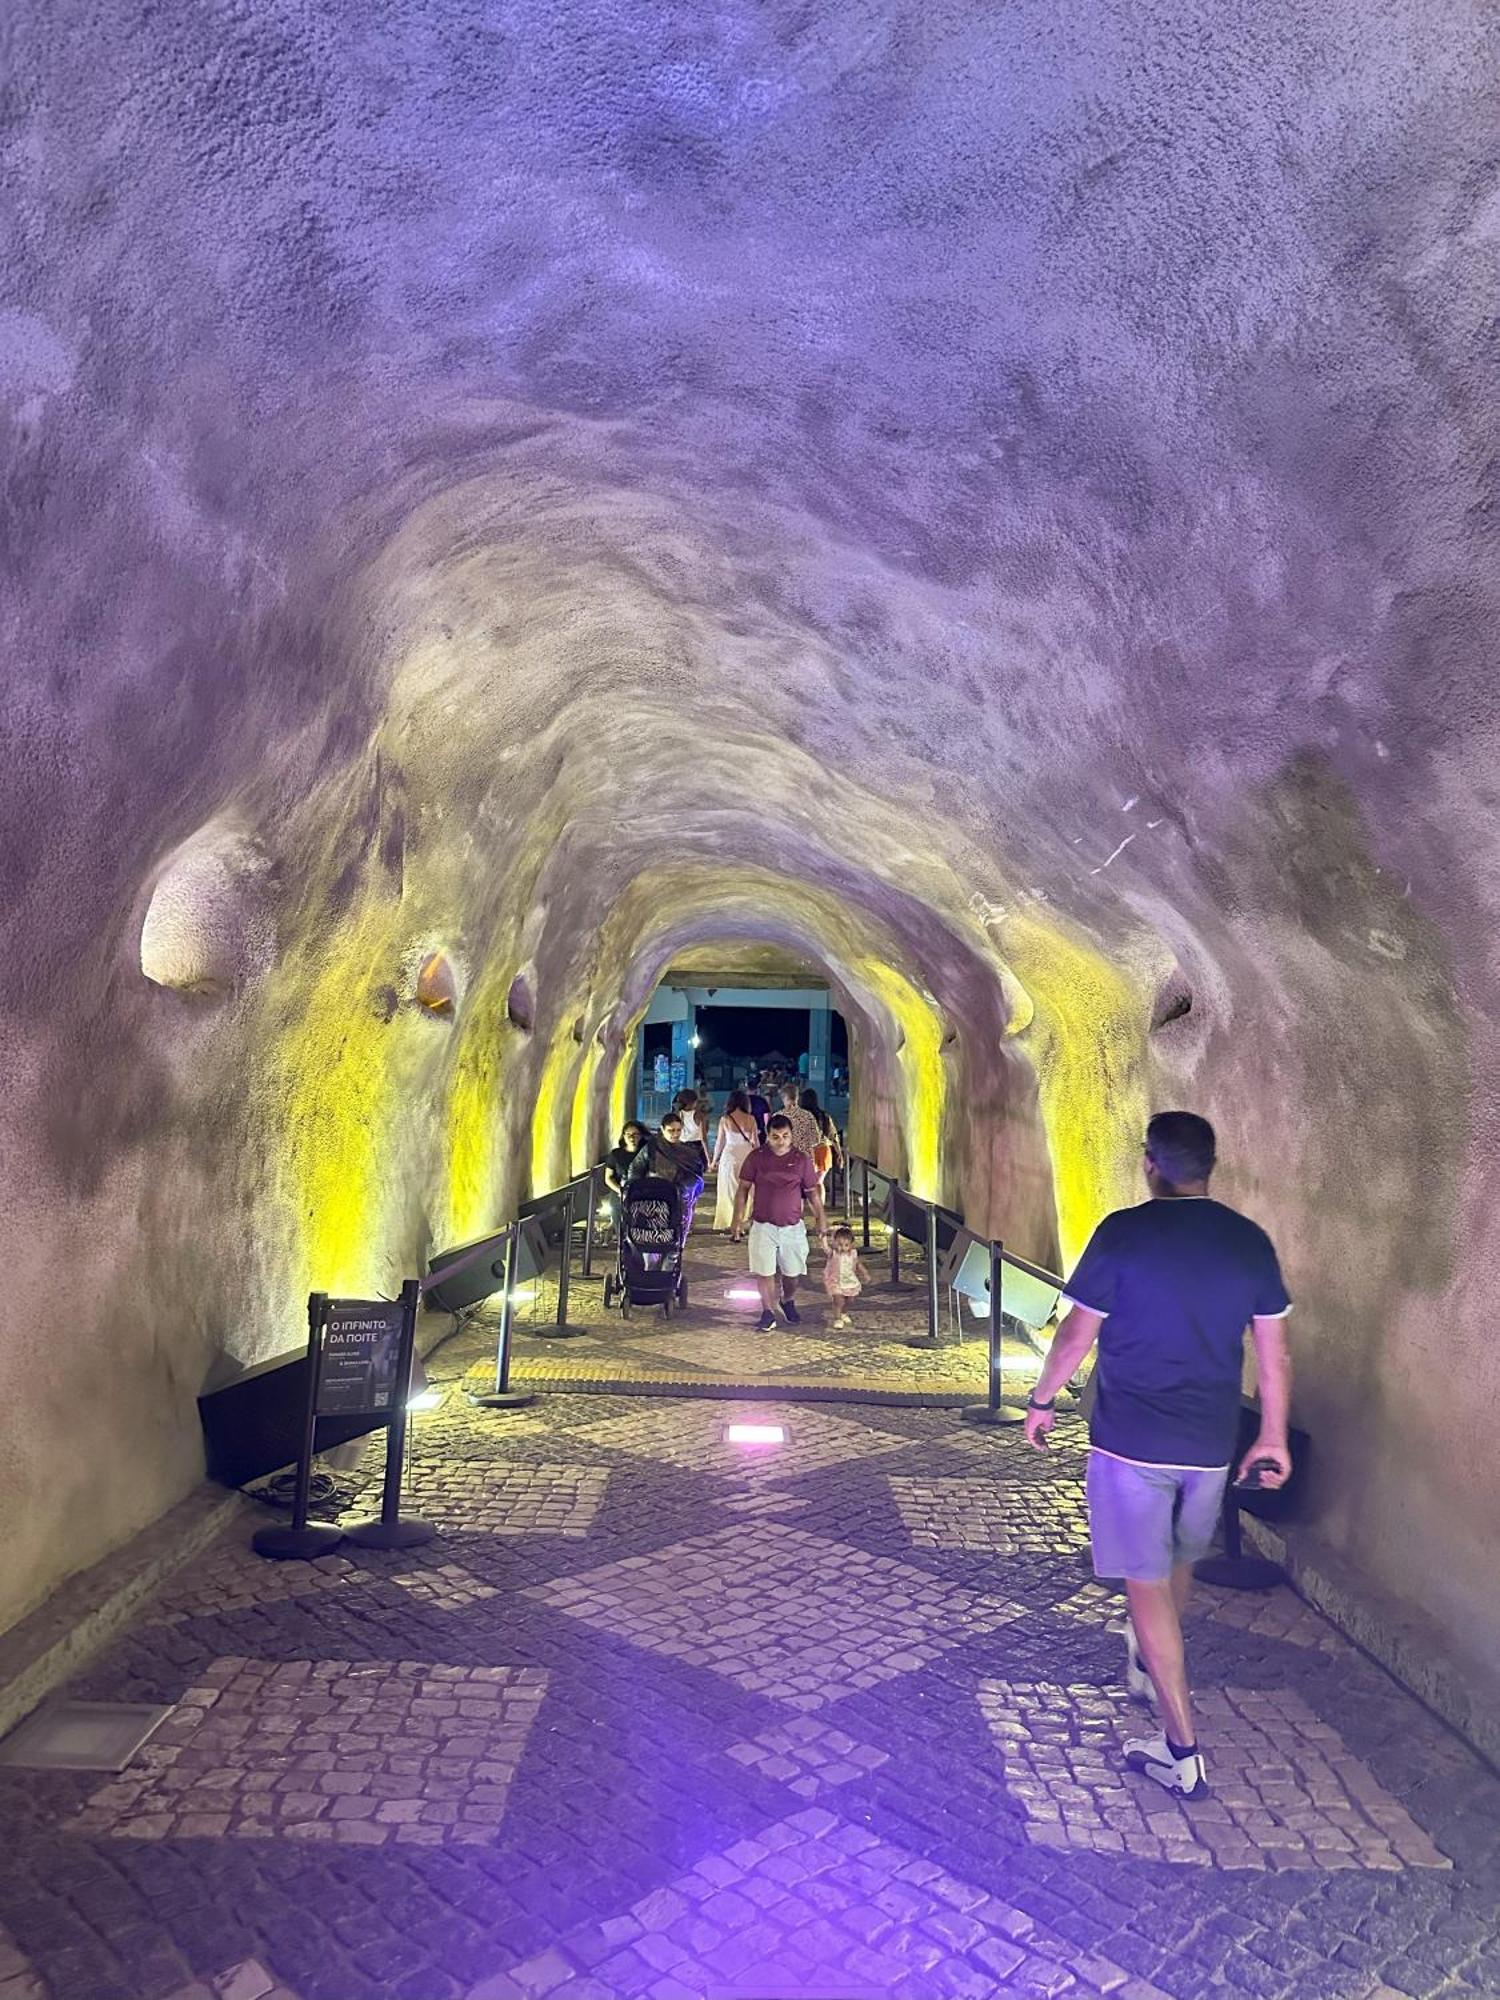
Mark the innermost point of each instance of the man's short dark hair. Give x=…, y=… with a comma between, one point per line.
x=779, y=1123
x=1181, y=1146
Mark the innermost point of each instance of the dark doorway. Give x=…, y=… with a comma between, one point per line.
x=736, y=1039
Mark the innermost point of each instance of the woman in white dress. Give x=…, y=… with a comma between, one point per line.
x=738, y=1138
x=690, y=1107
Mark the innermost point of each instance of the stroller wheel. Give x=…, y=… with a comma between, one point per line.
x=609, y=1287
x=681, y=1292
x=625, y=1306
x=666, y=1308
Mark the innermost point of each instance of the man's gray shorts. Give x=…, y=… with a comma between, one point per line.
x=1145, y=1519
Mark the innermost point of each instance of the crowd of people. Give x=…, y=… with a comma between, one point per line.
x=771, y=1167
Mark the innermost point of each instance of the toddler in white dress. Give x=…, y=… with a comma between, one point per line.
x=844, y=1276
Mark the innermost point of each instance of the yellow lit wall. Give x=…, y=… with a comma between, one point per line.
x=551, y=1114
x=580, y=1147
x=620, y=1089
x=473, y=1113
x=1086, y=1042
x=920, y=1066
x=336, y=1058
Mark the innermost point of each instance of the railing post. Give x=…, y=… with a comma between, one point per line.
x=996, y=1331
x=1234, y=1570
x=894, y=1228
x=565, y=1259
x=994, y=1409
x=932, y=1337
x=848, y=1187
x=864, y=1166
x=503, y=1397
x=588, y=1223
x=561, y=1329
x=507, y=1315
x=932, y=1276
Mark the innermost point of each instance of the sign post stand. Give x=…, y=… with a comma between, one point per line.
x=359, y=1358
x=390, y=1531
x=302, y=1542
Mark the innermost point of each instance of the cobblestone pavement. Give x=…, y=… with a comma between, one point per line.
x=714, y=1342
x=660, y=1715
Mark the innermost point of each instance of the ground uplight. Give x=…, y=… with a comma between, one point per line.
x=755, y=1434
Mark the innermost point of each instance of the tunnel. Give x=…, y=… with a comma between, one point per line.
x=991, y=506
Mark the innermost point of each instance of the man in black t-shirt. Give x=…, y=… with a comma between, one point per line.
x=1167, y=1289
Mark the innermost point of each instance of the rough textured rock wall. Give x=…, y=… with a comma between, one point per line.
x=999, y=501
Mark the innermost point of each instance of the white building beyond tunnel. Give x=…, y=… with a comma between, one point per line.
x=990, y=507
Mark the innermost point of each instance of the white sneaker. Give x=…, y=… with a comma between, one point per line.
x=1150, y=1755
x=1137, y=1680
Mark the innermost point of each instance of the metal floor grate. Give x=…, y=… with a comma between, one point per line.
x=82, y=1735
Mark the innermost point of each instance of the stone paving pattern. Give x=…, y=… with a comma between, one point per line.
x=798, y=1617
x=326, y=1751
x=718, y=1723
x=981, y=1513
x=546, y=1499
x=808, y=1756
x=714, y=1340
x=1286, y=1792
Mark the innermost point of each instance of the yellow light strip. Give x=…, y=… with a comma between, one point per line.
x=1087, y=1045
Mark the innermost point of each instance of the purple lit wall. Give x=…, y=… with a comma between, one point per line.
x=996, y=503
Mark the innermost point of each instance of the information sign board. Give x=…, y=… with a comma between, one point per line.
x=361, y=1357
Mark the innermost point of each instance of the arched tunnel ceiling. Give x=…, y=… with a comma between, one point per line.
x=1000, y=501
x=1019, y=417
x=735, y=963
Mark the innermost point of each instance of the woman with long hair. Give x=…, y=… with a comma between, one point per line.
x=692, y=1108
x=738, y=1138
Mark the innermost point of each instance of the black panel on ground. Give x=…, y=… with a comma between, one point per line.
x=254, y=1426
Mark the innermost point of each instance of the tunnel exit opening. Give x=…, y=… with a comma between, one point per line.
x=708, y=1037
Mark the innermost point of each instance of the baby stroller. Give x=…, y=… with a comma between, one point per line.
x=653, y=1223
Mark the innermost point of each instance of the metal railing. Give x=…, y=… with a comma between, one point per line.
x=908, y=1216
x=931, y=1222
x=502, y=1251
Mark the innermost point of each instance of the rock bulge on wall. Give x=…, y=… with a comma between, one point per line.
x=997, y=504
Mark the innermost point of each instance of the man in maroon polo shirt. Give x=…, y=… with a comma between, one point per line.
x=777, y=1180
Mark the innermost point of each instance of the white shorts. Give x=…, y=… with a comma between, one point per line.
x=778, y=1247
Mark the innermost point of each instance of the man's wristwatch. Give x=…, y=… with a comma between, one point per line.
x=1035, y=1403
